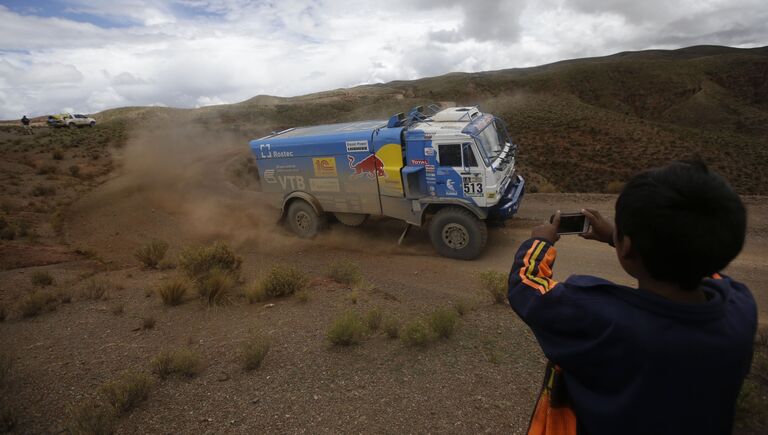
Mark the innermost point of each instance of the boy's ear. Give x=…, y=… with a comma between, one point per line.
x=624, y=247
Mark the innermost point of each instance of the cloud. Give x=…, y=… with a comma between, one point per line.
x=191, y=53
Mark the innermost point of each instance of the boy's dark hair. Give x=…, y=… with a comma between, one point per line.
x=684, y=221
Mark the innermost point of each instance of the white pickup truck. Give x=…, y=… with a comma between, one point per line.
x=70, y=120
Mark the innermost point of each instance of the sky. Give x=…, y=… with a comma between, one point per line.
x=90, y=55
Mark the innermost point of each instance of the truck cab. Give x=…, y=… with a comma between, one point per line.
x=451, y=170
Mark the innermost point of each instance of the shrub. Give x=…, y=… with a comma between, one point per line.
x=47, y=169
x=199, y=261
x=283, y=281
x=125, y=393
x=373, y=319
x=172, y=292
x=180, y=362
x=94, y=290
x=57, y=222
x=74, y=171
x=353, y=296
x=151, y=254
x=91, y=417
x=345, y=272
x=253, y=353
x=346, y=330
x=148, y=322
x=41, y=279
x=415, y=333
x=57, y=155
x=443, y=322
x=216, y=287
x=391, y=327
x=495, y=283
x=34, y=303
x=255, y=292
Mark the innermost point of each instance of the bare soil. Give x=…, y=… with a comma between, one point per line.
x=185, y=187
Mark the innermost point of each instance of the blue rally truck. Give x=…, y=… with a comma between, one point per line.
x=450, y=169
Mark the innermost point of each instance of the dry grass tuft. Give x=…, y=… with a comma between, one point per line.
x=179, y=362
x=253, y=352
x=172, y=292
x=443, y=322
x=151, y=254
x=127, y=392
x=391, y=327
x=42, y=279
x=216, y=287
x=345, y=272
x=281, y=281
x=347, y=329
x=373, y=319
x=302, y=296
x=461, y=306
x=36, y=302
x=415, y=333
x=495, y=283
x=94, y=290
x=91, y=417
x=199, y=261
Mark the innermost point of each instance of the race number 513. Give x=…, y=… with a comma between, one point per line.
x=472, y=188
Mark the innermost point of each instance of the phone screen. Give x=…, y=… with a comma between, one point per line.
x=574, y=223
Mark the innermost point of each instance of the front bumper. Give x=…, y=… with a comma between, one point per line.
x=509, y=202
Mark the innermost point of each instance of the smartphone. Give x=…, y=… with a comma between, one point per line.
x=571, y=223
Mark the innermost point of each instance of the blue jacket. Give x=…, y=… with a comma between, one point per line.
x=635, y=362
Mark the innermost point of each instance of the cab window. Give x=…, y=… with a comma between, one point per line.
x=469, y=156
x=449, y=154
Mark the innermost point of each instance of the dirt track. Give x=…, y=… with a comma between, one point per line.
x=482, y=380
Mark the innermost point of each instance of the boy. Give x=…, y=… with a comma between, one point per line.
x=668, y=357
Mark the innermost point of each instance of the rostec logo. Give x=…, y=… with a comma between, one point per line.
x=266, y=151
x=371, y=166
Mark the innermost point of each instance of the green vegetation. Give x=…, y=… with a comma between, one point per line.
x=347, y=329
x=151, y=254
x=172, y=292
x=253, y=353
x=391, y=327
x=36, y=302
x=495, y=283
x=373, y=319
x=179, y=362
x=94, y=290
x=127, y=392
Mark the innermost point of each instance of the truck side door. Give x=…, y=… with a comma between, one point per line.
x=458, y=173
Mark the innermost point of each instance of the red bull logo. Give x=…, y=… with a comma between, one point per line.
x=371, y=166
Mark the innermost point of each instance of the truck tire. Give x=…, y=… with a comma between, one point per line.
x=457, y=233
x=92, y=123
x=304, y=220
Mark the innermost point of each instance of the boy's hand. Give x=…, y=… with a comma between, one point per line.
x=599, y=228
x=548, y=231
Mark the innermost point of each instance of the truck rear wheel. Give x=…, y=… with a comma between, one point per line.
x=304, y=220
x=457, y=233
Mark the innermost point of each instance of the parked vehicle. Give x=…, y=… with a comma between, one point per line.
x=70, y=120
x=452, y=170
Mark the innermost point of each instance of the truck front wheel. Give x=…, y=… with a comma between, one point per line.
x=304, y=220
x=457, y=233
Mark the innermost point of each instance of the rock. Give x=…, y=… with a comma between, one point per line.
x=269, y=305
x=222, y=376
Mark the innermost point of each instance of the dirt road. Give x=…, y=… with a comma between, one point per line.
x=483, y=379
